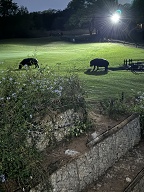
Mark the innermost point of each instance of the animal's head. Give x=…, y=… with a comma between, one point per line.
x=91, y=63
x=20, y=66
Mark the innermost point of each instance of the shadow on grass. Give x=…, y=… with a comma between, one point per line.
x=103, y=72
x=96, y=73
x=116, y=68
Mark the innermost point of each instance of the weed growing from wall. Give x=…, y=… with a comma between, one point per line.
x=114, y=107
x=24, y=98
x=138, y=107
x=125, y=105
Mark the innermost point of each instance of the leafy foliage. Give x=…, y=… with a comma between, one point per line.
x=138, y=10
x=23, y=97
x=7, y=7
x=125, y=105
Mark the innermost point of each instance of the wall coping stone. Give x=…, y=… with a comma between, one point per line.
x=111, y=131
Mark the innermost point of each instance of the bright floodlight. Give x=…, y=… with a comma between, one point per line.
x=115, y=18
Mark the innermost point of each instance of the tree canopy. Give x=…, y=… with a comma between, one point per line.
x=138, y=10
x=91, y=14
x=7, y=7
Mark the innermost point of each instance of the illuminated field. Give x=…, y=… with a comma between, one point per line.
x=64, y=57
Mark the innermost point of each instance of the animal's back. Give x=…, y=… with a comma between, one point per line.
x=99, y=62
x=29, y=61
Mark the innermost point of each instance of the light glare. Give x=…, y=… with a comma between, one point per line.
x=115, y=18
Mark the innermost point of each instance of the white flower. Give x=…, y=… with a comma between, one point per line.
x=1, y=98
x=141, y=97
x=58, y=92
x=8, y=98
x=10, y=79
x=2, y=177
x=139, y=92
x=13, y=94
x=29, y=131
x=60, y=87
x=31, y=116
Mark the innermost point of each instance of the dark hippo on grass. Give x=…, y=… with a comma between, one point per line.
x=29, y=62
x=99, y=63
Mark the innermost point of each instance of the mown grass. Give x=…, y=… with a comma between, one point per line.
x=67, y=57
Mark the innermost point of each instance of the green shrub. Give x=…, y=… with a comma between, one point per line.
x=138, y=107
x=125, y=105
x=25, y=96
x=114, y=107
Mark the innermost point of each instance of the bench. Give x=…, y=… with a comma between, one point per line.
x=134, y=65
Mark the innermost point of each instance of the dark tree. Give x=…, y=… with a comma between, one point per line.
x=7, y=8
x=138, y=10
x=138, y=18
x=22, y=10
x=89, y=12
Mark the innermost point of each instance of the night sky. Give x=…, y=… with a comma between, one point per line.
x=41, y=5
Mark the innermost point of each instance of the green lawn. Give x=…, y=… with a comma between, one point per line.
x=65, y=57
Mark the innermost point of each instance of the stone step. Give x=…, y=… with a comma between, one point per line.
x=124, y=175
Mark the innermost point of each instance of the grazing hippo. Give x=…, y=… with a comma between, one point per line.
x=99, y=63
x=29, y=62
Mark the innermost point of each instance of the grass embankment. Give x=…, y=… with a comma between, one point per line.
x=66, y=57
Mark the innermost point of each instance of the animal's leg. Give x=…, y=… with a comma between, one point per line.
x=37, y=65
x=20, y=66
x=94, y=67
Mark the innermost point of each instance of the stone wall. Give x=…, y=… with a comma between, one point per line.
x=56, y=127
x=86, y=168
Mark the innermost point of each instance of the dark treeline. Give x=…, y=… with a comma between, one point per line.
x=80, y=14
x=31, y=24
x=18, y=22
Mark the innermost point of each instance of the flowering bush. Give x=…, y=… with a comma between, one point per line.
x=24, y=96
